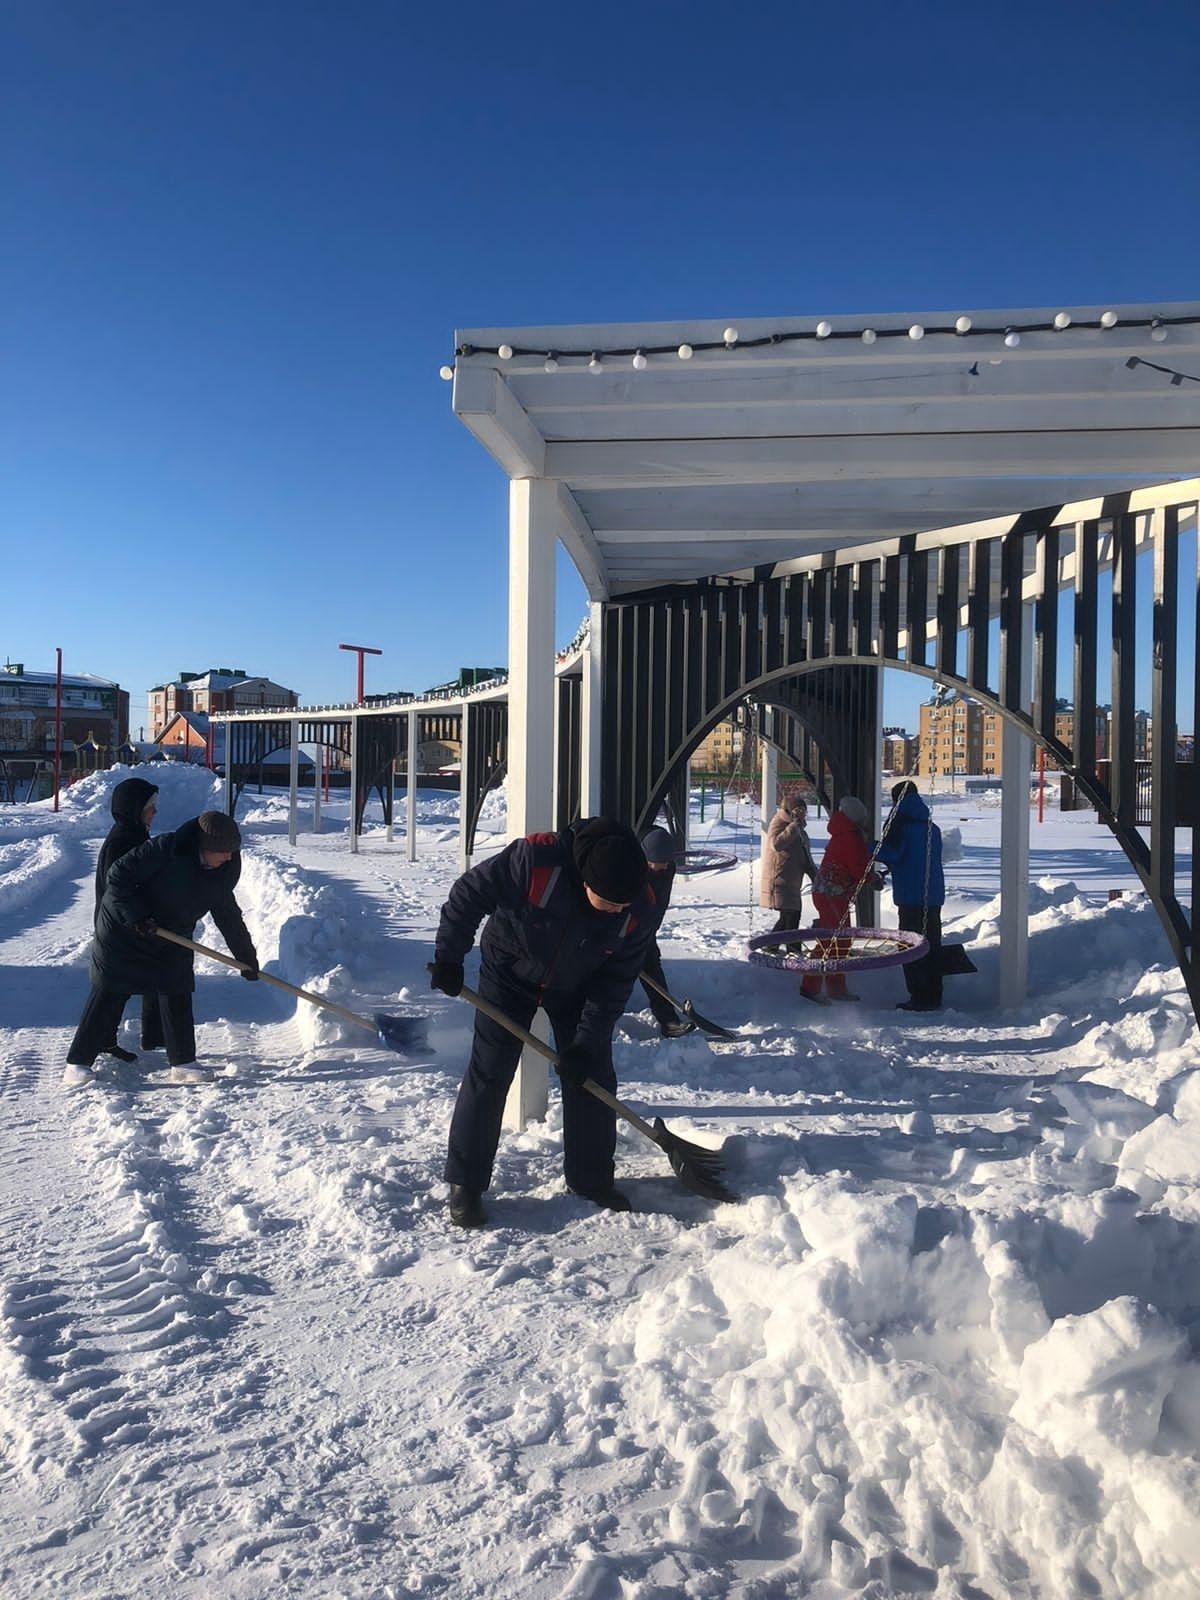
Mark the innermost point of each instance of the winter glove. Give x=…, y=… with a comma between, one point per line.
x=574, y=1064
x=147, y=927
x=251, y=975
x=447, y=976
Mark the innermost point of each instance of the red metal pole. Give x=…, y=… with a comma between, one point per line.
x=57, y=726
x=360, y=650
x=1041, y=784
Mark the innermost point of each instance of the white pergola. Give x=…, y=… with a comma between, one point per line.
x=655, y=460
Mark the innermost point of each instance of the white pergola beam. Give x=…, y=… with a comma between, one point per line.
x=483, y=400
x=534, y=512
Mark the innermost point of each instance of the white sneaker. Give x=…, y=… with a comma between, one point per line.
x=76, y=1077
x=189, y=1072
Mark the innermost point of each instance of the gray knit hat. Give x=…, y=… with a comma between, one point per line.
x=658, y=847
x=852, y=807
x=218, y=832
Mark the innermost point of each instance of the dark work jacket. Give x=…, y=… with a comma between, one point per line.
x=543, y=936
x=129, y=799
x=164, y=879
x=661, y=884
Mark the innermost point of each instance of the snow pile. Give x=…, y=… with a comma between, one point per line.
x=27, y=868
x=184, y=791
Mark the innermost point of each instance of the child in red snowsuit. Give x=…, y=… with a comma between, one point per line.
x=839, y=875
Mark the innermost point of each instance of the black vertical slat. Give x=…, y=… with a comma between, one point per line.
x=1124, y=668
x=818, y=616
x=949, y=586
x=799, y=598
x=843, y=607
x=692, y=649
x=773, y=625
x=1163, y=704
x=917, y=608
x=979, y=613
x=1045, y=661
x=889, y=609
x=657, y=699
x=610, y=672
x=866, y=583
x=731, y=642
x=1012, y=621
x=677, y=675
x=711, y=651
x=643, y=690
x=752, y=631
x=1087, y=620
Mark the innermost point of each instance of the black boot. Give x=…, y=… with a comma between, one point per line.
x=118, y=1054
x=466, y=1207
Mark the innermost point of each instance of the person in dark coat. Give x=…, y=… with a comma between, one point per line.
x=659, y=849
x=912, y=848
x=170, y=882
x=569, y=920
x=133, y=804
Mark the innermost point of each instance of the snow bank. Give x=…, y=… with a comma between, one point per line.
x=184, y=791
x=28, y=867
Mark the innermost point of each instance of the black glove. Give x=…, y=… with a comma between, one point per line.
x=575, y=1063
x=447, y=976
x=147, y=927
x=251, y=974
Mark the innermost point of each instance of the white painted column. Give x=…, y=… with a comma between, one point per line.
x=591, y=744
x=1016, y=764
x=410, y=818
x=769, y=787
x=293, y=778
x=353, y=785
x=532, y=523
x=318, y=776
x=464, y=799
x=391, y=822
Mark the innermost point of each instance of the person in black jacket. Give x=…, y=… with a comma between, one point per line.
x=659, y=849
x=171, y=882
x=569, y=921
x=133, y=805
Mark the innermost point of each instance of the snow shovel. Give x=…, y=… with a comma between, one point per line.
x=395, y=1032
x=696, y=1168
x=689, y=1011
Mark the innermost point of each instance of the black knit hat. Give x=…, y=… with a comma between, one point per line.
x=218, y=832
x=610, y=860
x=658, y=847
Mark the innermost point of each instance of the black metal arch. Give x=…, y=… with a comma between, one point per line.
x=678, y=660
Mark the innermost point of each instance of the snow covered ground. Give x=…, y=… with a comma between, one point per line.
x=943, y=1347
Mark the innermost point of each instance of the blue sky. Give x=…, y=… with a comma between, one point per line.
x=238, y=238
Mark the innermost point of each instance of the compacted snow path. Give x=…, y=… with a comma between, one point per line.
x=942, y=1347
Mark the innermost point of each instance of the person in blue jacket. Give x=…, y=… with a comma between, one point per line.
x=911, y=848
x=569, y=920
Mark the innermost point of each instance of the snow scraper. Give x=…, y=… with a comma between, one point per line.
x=697, y=1169
x=689, y=1011
x=401, y=1032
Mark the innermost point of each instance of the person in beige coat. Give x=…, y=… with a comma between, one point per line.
x=787, y=860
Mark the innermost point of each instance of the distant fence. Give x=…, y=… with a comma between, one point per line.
x=1185, y=791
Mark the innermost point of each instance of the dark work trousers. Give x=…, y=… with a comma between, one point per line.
x=663, y=1010
x=152, y=1030
x=924, y=977
x=102, y=1012
x=589, y=1127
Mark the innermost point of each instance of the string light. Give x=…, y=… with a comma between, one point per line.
x=1157, y=326
x=446, y=372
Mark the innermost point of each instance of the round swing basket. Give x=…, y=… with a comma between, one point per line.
x=836, y=949
x=689, y=861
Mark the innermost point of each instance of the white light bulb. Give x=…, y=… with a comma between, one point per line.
x=824, y=329
x=1062, y=320
x=1012, y=338
x=595, y=364
x=551, y=364
x=446, y=372
x=1157, y=332
x=962, y=325
x=685, y=352
x=1108, y=319
x=639, y=362
x=869, y=336
x=505, y=352
x=916, y=331
x=730, y=336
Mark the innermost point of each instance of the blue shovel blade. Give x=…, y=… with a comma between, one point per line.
x=403, y=1032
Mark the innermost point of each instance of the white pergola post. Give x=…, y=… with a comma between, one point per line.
x=1016, y=763
x=591, y=745
x=353, y=786
x=293, y=778
x=318, y=776
x=464, y=798
x=410, y=817
x=532, y=521
x=391, y=821
x=769, y=787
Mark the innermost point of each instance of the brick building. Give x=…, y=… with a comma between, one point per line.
x=92, y=708
x=218, y=689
